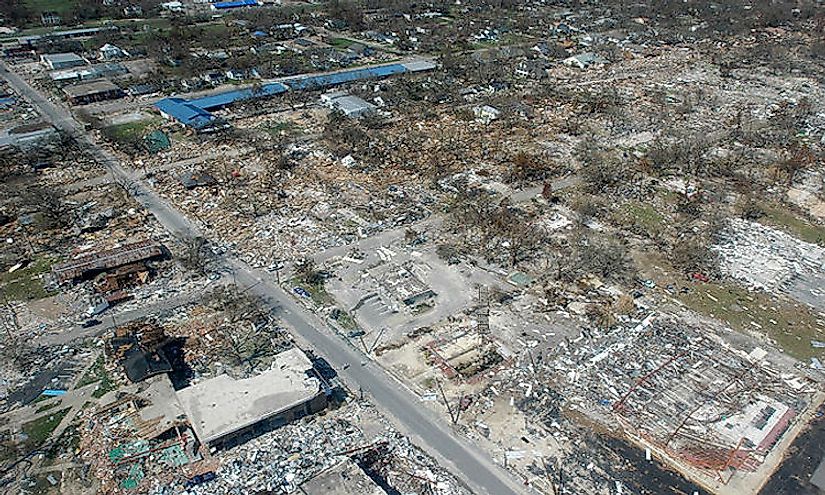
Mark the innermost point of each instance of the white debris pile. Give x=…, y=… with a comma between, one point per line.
x=280, y=461
x=766, y=258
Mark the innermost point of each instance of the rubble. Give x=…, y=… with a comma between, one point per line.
x=768, y=259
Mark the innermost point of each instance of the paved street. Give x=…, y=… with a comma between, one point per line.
x=412, y=418
x=109, y=321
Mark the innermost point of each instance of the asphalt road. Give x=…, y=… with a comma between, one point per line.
x=467, y=461
x=110, y=321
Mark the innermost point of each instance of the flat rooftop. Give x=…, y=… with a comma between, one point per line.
x=222, y=405
x=58, y=58
x=91, y=88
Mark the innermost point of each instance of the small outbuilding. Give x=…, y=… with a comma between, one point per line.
x=351, y=106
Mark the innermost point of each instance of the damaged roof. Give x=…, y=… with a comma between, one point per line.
x=185, y=112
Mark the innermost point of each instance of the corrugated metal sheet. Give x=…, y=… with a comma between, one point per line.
x=326, y=80
x=235, y=4
x=225, y=99
x=103, y=260
x=185, y=112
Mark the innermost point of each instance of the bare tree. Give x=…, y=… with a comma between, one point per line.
x=248, y=334
x=801, y=158
x=590, y=254
x=692, y=254
x=307, y=271
x=128, y=186
x=197, y=255
x=50, y=204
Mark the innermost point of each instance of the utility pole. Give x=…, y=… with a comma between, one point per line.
x=375, y=343
x=549, y=476
x=532, y=361
x=458, y=409
x=446, y=402
x=483, y=313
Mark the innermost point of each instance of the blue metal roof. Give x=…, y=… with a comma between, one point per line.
x=185, y=112
x=311, y=82
x=224, y=99
x=195, y=113
x=235, y=4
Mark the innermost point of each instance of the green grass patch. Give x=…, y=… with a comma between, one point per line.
x=66, y=444
x=791, y=325
x=317, y=292
x=215, y=29
x=39, y=430
x=97, y=373
x=640, y=218
x=346, y=321
x=46, y=407
x=278, y=128
x=784, y=219
x=341, y=42
x=25, y=284
x=130, y=133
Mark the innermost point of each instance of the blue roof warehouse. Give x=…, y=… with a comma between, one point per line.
x=196, y=114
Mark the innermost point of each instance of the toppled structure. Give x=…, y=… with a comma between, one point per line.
x=710, y=407
x=91, y=264
x=140, y=432
x=225, y=411
x=139, y=348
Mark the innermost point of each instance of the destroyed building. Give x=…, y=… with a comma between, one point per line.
x=139, y=349
x=87, y=266
x=141, y=431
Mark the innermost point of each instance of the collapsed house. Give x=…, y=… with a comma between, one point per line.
x=141, y=431
x=90, y=265
x=139, y=349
